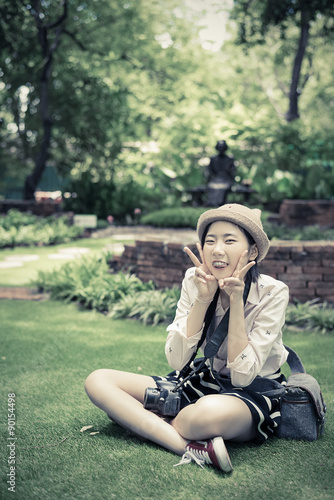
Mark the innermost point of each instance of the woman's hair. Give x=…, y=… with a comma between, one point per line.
x=254, y=272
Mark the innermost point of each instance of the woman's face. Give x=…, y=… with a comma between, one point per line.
x=223, y=246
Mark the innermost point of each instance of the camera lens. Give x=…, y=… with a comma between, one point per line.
x=151, y=398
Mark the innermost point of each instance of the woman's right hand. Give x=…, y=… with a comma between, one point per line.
x=205, y=282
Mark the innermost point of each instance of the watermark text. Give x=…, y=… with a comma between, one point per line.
x=11, y=443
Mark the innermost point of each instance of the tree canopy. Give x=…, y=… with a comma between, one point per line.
x=311, y=18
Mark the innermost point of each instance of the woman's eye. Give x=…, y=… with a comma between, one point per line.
x=230, y=241
x=209, y=242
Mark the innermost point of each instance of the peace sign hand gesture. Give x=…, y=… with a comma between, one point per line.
x=205, y=282
x=234, y=286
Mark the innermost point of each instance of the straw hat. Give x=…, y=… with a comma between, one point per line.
x=247, y=218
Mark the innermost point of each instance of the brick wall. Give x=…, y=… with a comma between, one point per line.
x=306, y=267
x=307, y=212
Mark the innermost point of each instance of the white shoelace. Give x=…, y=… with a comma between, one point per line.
x=197, y=457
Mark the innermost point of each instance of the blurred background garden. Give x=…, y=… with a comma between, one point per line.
x=114, y=108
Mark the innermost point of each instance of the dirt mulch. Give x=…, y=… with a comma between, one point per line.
x=21, y=293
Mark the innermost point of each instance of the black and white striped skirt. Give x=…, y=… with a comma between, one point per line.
x=264, y=407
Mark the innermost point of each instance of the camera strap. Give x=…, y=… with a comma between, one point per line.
x=215, y=339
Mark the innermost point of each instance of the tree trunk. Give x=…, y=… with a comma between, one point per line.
x=293, y=113
x=33, y=179
x=48, y=49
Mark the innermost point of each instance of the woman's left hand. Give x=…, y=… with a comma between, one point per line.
x=234, y=285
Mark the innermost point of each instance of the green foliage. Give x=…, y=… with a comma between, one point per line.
x=15, y=219
x=106, y=197
x=149, y=103
x=18, y=229
x=311, y=315
x=88, y=282
x=188, y=217
x=174, y=217
x=304, y=233
x=287, y=161
x=255, y=18
x=150, y=307
x=123, y=295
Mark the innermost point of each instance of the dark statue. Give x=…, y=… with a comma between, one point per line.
x=221, y=174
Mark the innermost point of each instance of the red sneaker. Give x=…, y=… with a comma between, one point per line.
x=211, y=452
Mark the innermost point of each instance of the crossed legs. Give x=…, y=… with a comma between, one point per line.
x=121, y=395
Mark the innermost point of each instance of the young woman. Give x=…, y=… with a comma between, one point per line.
x=228, y=399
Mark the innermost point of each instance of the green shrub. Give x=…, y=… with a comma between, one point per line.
x=7, y=237
x=188, y=216
x=150, y=307
x=88, y=282
x=322, y=319
x=304, y=233
x=311, y=315
x=23, y=229
x=174, y=217
x=123, y=295
x=15, y=218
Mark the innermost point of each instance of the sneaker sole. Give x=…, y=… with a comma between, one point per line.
x=222, y=454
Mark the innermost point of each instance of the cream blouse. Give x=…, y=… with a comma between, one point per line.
x=264, y=318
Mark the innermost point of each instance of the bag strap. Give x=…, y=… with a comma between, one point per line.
x=214, y=343
x=207, y=321
x=219, y=334
x=294, y=361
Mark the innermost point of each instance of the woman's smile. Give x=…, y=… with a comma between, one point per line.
x=218, y=264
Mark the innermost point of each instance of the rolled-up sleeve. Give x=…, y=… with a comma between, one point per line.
x=264, y=332
x=179, y=348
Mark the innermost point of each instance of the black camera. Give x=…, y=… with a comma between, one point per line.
x=165, y=400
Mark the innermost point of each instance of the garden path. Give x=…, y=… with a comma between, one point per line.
x=170, y=235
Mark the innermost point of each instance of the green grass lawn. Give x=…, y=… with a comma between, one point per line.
x=47, y=350
x=21, y=276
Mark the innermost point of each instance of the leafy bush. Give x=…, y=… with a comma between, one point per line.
x=88, y=282
x=150, y=307
x=174, y=217
x=7, y=237
x=188, y=216
x=15, y=218
x=305, y=233
x=120, y=198
x=18, y=228
x=311, y=315
x=123, y=295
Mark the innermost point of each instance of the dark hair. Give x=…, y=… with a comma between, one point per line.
x=254, y=272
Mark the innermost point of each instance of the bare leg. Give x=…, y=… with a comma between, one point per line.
x=121, y=396
x=216, y=415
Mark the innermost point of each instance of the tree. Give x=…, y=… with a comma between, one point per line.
x=49, y=36
x=255, y=18
x=64, y=107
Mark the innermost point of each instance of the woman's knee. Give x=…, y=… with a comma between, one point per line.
x=195, y=417
x=96, y=378
x=215, y=415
